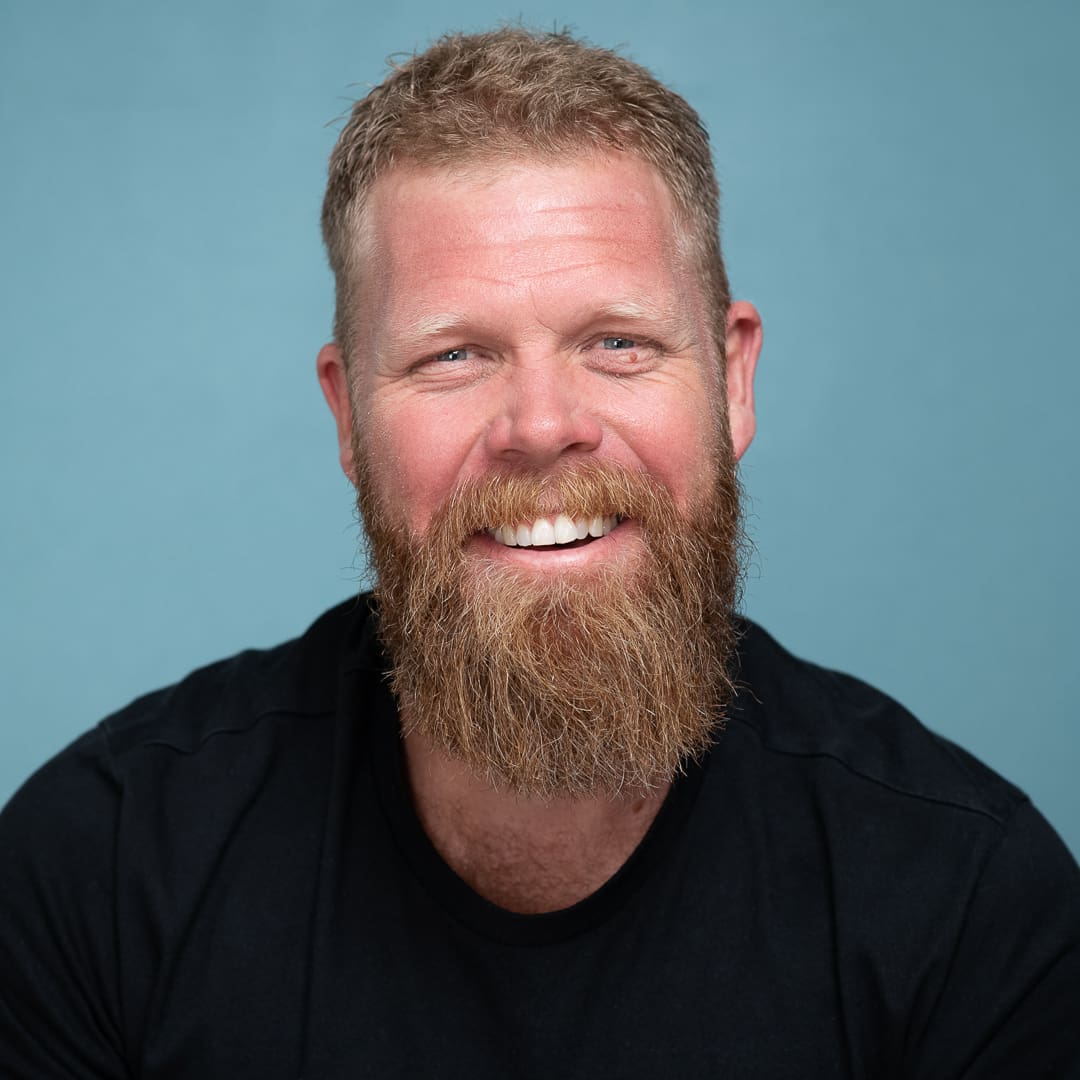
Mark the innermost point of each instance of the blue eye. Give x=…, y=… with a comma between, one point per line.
x=615, y=343
x=452, y=355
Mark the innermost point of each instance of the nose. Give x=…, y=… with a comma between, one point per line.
x=544, y=413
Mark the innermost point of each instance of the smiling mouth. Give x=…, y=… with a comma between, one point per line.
x=559, y=531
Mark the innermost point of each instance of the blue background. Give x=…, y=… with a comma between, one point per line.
x=900, y=186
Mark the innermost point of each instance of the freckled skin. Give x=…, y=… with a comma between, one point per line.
x=526, y=314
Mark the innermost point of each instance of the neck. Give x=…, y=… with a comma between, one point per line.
x=527, y=855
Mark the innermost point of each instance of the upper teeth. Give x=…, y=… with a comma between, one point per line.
x=562, y=529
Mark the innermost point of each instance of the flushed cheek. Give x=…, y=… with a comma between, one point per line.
x=420, y=466
x=678, y=448
x=421, y=451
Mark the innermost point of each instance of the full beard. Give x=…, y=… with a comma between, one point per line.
x=605, y=680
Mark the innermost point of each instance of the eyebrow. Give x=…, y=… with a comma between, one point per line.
x=424, y=327
x=419, y=332
x=638, y=312
x=673, y=322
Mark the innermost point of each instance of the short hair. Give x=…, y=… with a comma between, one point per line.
x=513, y=94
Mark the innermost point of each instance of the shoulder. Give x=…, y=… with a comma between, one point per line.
x=295, y=679
x=800, y=710
x=258, y=694
x=129, y=827
x=941, y=886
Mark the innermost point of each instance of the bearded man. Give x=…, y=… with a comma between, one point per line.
x=544, y=804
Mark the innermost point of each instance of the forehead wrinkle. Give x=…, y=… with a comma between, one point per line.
x=587, y=214
x=555, y=271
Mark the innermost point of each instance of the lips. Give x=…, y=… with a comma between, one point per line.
x=556, y=531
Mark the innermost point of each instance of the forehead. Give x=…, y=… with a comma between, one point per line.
x=598, y=227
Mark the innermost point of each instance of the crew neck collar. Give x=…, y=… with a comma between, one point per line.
x=371, y=696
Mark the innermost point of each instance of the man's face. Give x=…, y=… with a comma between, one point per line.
x=526, y=316
x=535, y=422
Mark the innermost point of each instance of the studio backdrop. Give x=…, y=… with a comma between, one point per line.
x=899, y=199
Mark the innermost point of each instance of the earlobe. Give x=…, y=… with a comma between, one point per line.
x=742, y=346
x=334, y=381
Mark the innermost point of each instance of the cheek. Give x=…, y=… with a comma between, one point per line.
x=675, y=441
x=416, y=463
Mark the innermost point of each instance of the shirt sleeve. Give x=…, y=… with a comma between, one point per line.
x=1010, y=1004
x=59, y=987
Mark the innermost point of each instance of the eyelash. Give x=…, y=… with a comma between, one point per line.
x=622, y=343
x=443, y=356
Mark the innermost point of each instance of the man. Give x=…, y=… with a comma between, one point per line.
x=544, y=805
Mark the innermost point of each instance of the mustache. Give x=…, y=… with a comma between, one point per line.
x=587, y=488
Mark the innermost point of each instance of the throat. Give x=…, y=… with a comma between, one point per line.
x=531, y=877
x=528, y=856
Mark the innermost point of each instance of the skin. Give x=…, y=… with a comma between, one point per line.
x=521, y=316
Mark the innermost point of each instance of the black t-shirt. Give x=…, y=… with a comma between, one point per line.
x=227, y=879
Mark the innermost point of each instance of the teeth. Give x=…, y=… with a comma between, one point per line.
x=565, y=530
x=543, y=532
x=562, y=529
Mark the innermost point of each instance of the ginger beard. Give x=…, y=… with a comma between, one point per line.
x=599, y=680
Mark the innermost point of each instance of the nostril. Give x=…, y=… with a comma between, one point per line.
x=541, y=435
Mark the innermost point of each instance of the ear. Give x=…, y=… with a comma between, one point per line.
x=335, y=387
x=742, y=346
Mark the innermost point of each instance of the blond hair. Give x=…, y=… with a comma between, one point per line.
x=512, y=94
